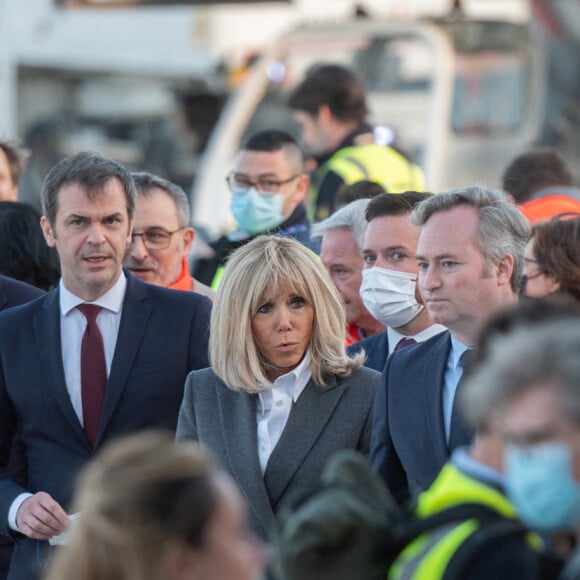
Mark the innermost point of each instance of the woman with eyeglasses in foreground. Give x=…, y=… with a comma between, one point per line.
x=281, y=395
x=153, y=509
x=552, y=258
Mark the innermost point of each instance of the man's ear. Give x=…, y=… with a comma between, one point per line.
x=188, y=237
x=324, y=114
x=505, y=268
x=554, y=283
x=302, y=188
x=47, y=232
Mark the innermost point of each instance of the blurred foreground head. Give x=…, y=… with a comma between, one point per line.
x=153, y=509
x=529, y=381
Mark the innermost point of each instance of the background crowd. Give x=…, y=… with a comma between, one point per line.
x=435, y=334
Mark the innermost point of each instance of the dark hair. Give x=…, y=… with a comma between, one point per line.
x=91, y=172
x=270, y=140
x=533, y=171
x=16, y=156
x=557, y=249
x=334, y=85
x=274, y=140
x=25, y=255
x=394, y=203
x=363, y=189
x=528, y=311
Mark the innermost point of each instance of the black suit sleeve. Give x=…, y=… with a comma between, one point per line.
x=383, y=457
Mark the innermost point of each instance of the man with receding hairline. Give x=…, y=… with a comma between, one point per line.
x=470, y=260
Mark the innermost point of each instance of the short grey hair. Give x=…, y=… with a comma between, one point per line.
x=350, y=217
x=502, y=230
x=521, y=361
x=145, y=182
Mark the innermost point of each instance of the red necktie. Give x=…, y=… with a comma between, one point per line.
x=405, y=342
x=93, y=371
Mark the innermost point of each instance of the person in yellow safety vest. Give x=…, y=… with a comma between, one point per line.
x=475, y=475
x=330, y=108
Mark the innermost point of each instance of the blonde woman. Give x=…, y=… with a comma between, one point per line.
x=151, y=509
x=281, y=394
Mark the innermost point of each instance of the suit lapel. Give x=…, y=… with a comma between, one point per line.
x=47, y=333
x=238, y=425
x=308, y=418
x=136, y=312
x=433, y=401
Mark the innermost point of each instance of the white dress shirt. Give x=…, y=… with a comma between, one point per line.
x=395, y=337
x=274, y=406
x=72, y=328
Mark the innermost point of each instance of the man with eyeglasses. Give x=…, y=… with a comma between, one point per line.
x=269, y=186
x=162, y=236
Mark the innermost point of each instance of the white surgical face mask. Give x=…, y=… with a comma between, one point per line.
x=390, y=296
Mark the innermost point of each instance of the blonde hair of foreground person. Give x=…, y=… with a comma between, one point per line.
x=273, y=266
x=155, y=509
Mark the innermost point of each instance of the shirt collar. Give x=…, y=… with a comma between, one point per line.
x=473, y=468
x=395, y=337
x=457, y=349
x=111, y=300
x=292, y=383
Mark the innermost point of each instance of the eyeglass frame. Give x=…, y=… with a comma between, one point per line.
x=256, y=185
x=157, y=230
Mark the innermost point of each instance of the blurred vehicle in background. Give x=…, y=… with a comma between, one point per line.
x=461, y=96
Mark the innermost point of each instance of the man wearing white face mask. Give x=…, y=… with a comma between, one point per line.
x=269, y=186
x=389, y=284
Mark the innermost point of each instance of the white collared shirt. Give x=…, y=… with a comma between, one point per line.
x=453, y=373
x=274, y=406
x=395, y=337
x=72, y=328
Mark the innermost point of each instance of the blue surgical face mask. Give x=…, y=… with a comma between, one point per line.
x=540, y=484
x=257, y=212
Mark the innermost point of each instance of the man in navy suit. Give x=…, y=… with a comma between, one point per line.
x=13, y=293
x=389, y=278
x=151, y=338
x=470, y=259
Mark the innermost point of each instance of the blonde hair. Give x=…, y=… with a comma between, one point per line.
x=266, y=266
x=138, y=498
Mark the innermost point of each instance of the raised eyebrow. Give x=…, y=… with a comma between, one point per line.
x=74, y=216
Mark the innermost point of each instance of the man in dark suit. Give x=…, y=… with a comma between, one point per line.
x=144, y=338
x=470, y=259
x=389, y=278
x=13, y=293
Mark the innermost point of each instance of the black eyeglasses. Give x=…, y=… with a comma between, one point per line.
x=155, y=239
x=240, y=184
